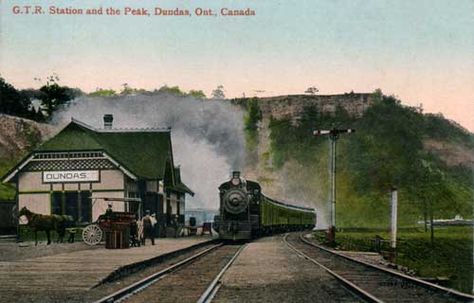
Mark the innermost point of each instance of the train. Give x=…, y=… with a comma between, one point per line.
x=246, y=213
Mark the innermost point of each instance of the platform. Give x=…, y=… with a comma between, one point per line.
x=80, y=270
x=267, y=270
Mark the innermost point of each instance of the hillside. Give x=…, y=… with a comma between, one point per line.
x=429, y=158
x=17, y=137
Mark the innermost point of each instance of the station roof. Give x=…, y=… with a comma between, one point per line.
x=143, y=153
x=180, y=186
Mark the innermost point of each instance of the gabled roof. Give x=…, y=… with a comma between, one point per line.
x=143, y=152
x=180, y=186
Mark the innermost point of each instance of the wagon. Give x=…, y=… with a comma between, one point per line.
x=93, y=233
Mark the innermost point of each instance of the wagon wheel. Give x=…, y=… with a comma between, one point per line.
x=92, y=234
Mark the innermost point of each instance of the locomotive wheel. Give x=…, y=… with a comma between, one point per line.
x=92, y=234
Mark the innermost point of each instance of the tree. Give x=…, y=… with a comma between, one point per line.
x=128, y=90
x=312, y=90
x=53, y=95
x=12, y=101
x=172, y=90
x=218, y=93
x=254, y=114
x=99, y=92
x=198, y=94
x=37, y=115
x=387, y=129
x=434, y=191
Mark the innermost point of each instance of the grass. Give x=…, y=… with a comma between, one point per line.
x=450, y=256
x=7, y=191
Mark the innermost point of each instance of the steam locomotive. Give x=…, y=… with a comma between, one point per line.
x=246, y=213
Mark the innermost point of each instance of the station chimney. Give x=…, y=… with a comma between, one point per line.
x=108, y=119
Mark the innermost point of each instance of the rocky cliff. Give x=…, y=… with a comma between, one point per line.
x=18, y=136
x=292, y=106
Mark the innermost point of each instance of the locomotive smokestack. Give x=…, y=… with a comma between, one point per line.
x=235, y=174
x=108, y=119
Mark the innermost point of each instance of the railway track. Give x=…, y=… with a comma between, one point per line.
x=370, y=282
x=194, y=279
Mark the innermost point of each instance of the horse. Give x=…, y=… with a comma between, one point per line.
x=63, y=222
x=46, y=223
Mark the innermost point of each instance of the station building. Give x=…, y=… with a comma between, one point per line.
x=75, y=171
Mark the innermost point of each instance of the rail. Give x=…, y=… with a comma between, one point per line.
x=213, y=288
x=365, y=295
x=455, y=293
x=128, y=291
x=361, y=277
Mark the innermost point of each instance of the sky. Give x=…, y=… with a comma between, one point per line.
x=420, y=51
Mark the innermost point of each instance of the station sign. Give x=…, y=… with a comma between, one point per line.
x=71, y=176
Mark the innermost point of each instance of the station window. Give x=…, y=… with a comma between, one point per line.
x=75, y=204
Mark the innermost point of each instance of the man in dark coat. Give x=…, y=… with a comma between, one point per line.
x=148, y=228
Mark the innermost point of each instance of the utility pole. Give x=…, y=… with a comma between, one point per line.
x=393, y=223
x=394, y=217
x=333, y=136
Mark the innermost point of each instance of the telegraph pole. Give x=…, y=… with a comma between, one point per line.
x=333, y=136
x=393, y=217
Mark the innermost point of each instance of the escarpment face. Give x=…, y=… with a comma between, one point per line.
x=292, y=107
x=18, y=136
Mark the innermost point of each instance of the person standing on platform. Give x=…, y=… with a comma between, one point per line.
x=148, y=228
x=154, y=223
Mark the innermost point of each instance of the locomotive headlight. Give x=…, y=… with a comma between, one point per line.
x=235, y=181
x=235, y=178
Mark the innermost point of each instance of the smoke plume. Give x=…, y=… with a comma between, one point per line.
x=207, y=136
